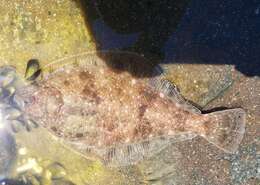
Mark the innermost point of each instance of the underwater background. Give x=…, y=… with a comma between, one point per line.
x=209, y=49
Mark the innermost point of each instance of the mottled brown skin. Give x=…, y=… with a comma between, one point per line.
x=100, y=108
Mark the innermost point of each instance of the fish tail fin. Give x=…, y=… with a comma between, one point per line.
x=227, y=129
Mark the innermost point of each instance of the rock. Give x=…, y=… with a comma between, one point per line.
x=7, y=153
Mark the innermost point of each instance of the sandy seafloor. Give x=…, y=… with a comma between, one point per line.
x=211, y=54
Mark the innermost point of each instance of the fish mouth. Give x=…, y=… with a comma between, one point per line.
x=24, y=96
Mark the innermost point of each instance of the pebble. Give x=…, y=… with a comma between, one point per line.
x=7, y=153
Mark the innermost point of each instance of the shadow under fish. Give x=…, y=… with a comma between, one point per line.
x=123, y=113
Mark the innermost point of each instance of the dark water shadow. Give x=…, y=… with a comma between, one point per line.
x=134, y=63
x=128, y=26
x=179, y=31
x=140, y=26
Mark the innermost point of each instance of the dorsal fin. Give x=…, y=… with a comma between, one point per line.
x=118, y=61
x=164, y=86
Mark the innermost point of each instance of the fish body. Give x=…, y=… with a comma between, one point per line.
x=120, y=115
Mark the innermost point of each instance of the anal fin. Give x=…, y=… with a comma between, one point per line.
x=130, y=154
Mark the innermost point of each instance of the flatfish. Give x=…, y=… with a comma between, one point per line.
x=121, y=108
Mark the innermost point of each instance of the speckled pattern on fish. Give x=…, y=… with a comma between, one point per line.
x=92, y=105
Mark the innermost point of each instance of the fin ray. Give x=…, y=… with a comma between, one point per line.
x=227, y=131
x=125, y=154
x=119, y=61
x=164, y=86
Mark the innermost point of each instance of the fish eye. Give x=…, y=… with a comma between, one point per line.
x=31, y=99
x=26, y=102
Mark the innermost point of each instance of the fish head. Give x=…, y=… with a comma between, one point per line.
x=38, y=101
x=27, y=100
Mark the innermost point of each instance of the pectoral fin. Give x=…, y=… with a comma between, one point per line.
x=164, y=86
